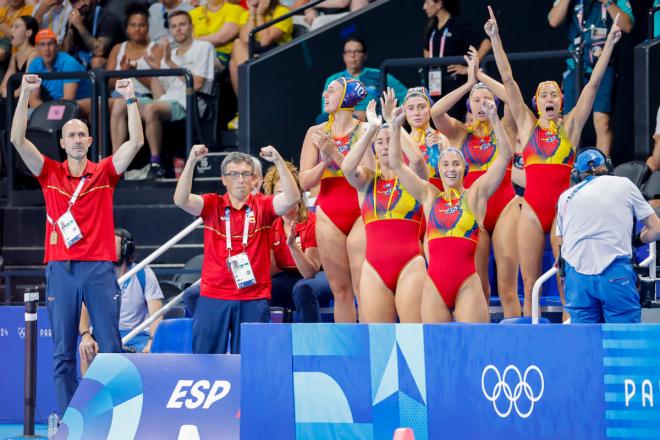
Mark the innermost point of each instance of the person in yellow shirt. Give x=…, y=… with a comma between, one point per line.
x=218, y=23
x=258, y=13
x=9, y=13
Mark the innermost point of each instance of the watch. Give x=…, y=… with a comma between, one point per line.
x=131, y=100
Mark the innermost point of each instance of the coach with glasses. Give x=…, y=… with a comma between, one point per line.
x=595, y=223
x=236, y=284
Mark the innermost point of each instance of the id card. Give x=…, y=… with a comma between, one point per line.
x=69, y=228
x=598, y=33
x=241, y=270
x=435, y=82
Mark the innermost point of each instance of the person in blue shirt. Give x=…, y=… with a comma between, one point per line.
x=656, y=21
x=355, y=54
x=50, y=59
x=590, y=22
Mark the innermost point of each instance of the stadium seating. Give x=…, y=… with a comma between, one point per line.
x=173, y=336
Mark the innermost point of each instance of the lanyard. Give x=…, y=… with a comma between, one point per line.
x=443, y=39
x=73, y=199
x=389, y=202
x=579, y=187
x=246, y=225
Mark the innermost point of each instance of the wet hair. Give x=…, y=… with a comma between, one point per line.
x=272, y=176
x=31, y=25
x=356, y=39
x=136, y=8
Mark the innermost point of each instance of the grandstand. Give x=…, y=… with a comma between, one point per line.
x=277, y=94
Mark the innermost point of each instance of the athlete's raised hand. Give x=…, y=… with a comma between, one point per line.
x=615, y=32
x=372, y=117
x=388, y=104
x=490, y=27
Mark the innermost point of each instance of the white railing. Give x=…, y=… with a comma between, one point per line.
x=151, y=257
x=536, y=291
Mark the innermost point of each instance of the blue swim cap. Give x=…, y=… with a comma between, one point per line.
x=354, y=92
x=589, y=159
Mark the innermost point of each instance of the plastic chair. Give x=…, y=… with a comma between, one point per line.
x=170, y=289
x=524, y=320
x=175, y=312
x=184, y=280
x=651, y=188
x=173, y=336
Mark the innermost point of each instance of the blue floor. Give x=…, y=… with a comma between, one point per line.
x=10, y=431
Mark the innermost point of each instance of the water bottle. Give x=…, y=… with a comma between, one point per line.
x=53, y=423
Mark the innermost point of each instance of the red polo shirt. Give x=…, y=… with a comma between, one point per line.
x=217, y=280
x=306, y=238
x=92, y=211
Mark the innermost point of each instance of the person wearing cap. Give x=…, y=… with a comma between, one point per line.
x=595, y=223
x=51, y=59
x=79, y=243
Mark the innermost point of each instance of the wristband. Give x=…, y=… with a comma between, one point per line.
x=85, y=333
x=131, y=100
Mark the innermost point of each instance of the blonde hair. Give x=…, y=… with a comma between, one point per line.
x=272, y=176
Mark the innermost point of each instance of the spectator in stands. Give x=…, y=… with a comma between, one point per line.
x=79, y=242
x=294, y=257
x=258, y=176
x=217, y=22
x=653, y=162
x=54, y=15
x=355, y=55
x=656, y=20
x=23, y=36
x=159, y=18
x=5, y=54
x=9, y=14
x=131, y=55
x=447, y=36
x=51, y=59
x=589, y=24
x=141, y=297
x=169, y=93
x=259, y=12
x=93, y=31
x=331, y=10
x=594, y=223
x=236, y=270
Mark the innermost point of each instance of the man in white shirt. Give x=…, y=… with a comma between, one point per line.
x=595, y=223
x=141, y=297
x=169, y=93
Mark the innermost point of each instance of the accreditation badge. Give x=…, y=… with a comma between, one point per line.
x=435, y=82
x=69, y=229
x=241, y=270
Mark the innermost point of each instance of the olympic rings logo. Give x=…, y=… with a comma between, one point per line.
x=503, y=388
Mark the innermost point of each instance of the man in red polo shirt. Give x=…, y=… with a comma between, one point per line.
x=236, y=283
x=80, y=240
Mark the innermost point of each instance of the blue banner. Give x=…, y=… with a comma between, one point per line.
x=12, y=347
x=451, y=381
x=156, y=396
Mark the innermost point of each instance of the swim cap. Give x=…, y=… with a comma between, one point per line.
x=418, y=91
x=354, y=92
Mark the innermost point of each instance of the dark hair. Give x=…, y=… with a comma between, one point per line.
x=136, y=8
x=451, y=6
x=177, y=13
x=356, y=40
x=31, y=25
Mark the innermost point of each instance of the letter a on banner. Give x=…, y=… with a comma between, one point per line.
x=188, y=432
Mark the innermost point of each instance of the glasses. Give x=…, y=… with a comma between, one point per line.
x=235, y=174
x=353, y=52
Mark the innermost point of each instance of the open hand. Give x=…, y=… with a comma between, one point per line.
x=472, y=69
x=291, y=235
x=457, y=69
x=388, y=104
x=372, y=117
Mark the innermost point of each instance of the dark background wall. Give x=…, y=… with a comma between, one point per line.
x=283, y=99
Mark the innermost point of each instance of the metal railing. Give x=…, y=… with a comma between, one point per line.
x=12, y=85
x=105, y=75
x=253, y=33
x=388, y=64
x=536, y=290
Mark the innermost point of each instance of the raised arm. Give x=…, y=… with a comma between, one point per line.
x=26, y=149
x=358, y=176
x=558, y=13
x=420, y=189
x=488, y=183
x=451, y=127
x=183, y=198
x=577, y=117
x=290, y=195
x=524, y=117
x=127, y=151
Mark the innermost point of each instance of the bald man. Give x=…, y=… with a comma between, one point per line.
x=80, y=240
